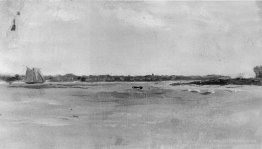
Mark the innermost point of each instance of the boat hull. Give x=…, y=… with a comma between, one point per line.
x=34, y=82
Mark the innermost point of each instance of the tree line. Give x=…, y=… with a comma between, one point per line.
x=115, y=78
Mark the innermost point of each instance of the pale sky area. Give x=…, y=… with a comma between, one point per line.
x=131, y=38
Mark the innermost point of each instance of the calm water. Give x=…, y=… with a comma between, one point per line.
x=116, y=116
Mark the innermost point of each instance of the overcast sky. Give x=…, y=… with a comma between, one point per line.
x=160, y=37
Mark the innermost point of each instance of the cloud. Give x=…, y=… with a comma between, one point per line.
x=67, y=10
x=64, y=15
x=259, y=5
x=139, y=19
x=128, y=14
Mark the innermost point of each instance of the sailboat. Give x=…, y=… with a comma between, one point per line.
x=33, y=75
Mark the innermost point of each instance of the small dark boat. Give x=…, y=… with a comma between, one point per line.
x=137, y=87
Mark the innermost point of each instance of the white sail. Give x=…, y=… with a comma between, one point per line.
x=29, y=76
x=38, y=75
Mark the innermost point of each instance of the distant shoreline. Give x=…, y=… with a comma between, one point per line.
x=114, y=78
x=190, y=80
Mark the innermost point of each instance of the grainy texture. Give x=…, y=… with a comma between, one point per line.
x=210, y=51
x=113, y=115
